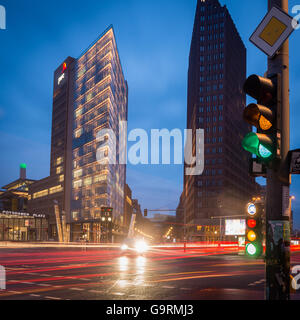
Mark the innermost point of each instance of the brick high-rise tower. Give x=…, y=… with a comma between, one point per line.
x=217, y=71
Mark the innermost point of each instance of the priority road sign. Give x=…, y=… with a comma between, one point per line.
x=273, y=31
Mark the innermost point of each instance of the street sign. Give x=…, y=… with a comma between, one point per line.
x=251, y=209
x=257, y=169
x=295, y=162
x=273, y=31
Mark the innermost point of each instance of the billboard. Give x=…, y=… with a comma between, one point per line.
x=236, y=227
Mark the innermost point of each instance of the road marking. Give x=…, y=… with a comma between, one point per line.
x=53, y=298
x=168, y=287
x=76, y=289
x=35, y=295
x=16, y=292
x=26, y=282
x=119, y=294
x=97, y=291
x=44, y=285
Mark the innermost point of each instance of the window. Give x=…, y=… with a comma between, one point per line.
x=59, y=161
x=77, y=174
x=78, y=112
x=40, y=194
x=88, y=181
x=55, y=189
x=59, y=170
x=75, y=215
x=77, y=184
x=78, y=133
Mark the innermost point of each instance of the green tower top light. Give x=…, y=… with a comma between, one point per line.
x=23, y=166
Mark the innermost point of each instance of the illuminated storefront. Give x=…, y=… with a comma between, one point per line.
x=23, y=226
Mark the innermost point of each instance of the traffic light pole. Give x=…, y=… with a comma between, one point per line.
x=278, y=183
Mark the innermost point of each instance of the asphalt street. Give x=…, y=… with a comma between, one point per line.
x=79, y=273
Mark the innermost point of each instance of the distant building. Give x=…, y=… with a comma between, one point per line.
x=90, y=94
x=14, y=196
x=217, y=71
x=16, y=223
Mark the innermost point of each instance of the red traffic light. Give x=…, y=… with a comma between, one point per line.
x=251, y=223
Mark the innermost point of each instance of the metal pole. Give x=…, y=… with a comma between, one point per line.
x=278, y=222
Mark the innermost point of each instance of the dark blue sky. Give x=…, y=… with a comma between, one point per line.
x=153, y=40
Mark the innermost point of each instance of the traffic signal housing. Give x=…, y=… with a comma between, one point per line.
x=254, y=230
x=265, y=116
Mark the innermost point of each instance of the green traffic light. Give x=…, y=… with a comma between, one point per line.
x=251, y=249
x=258, y=144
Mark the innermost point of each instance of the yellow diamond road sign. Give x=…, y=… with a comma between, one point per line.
x=273, y=31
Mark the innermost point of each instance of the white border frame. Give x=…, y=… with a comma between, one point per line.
x=264, y=46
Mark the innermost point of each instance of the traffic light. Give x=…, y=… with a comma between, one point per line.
x=145, y=213
x=254, y=230
x=264, y=115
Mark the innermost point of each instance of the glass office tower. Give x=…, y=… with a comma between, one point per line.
x=100, y=102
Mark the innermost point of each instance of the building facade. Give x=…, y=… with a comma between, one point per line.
x=217, y=71
x=100, y=103
x=90, y=96
x=57, y=187
x=16, y=223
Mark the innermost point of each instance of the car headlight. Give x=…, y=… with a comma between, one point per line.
x=124, y=247
x=141, y=246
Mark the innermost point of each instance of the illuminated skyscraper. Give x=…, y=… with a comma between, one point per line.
x=100, y=103
x=90, y=94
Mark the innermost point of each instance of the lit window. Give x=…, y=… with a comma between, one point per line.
x=59, y=161
x=88, y=181
x=59, y=170
x=77, y=173
x=77, y=184
x=55, y=189
x=78, y=113
x=78, y=133
x=40, y=194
